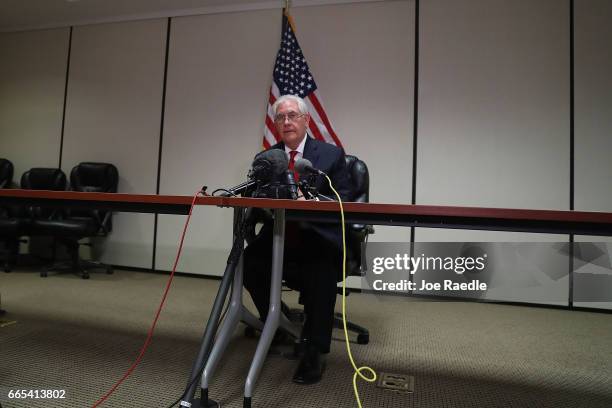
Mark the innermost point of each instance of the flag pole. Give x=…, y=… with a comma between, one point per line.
x=286, y=13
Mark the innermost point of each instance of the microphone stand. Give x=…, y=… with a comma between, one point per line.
x=308, y=192
x=239, y=189
x=324, y=197
x=215, y=314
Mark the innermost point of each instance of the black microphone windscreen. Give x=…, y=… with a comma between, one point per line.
x=302, y=166
x=270, y=165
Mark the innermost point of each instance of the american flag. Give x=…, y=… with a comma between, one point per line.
x=292, y=76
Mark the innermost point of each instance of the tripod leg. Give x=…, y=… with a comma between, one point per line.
x=213, y=321
x=273, y=318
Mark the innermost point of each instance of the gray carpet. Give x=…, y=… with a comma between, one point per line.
x=81, y=335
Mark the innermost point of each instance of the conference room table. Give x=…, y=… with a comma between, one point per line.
x=428, y=216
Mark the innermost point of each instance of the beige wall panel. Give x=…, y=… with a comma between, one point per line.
x=218, y=79
x=593, y=125
x=494, y=104
x=32, y=79
x=494, y=112
x=362, y=58
x=593, y=105
x=113, y=115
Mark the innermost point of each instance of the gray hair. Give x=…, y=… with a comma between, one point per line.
x=302, y=107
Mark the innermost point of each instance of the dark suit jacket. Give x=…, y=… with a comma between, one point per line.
x=329, y=159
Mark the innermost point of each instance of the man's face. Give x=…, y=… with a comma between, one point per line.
x=291, y=131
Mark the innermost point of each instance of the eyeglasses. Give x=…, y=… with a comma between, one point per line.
x=282, y=117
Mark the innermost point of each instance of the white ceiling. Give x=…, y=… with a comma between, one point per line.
x=19, y=15
x=32, y=14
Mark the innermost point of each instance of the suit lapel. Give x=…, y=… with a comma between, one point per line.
x=311, y=151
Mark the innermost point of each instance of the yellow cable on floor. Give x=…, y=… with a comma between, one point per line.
x=358, y=370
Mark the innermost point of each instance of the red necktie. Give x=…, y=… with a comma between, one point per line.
x=292, y=155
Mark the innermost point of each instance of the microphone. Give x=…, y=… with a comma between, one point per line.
x=239, y=189
x=269, y=165
x=291, y=185
x=304, y=167
x=269, y=170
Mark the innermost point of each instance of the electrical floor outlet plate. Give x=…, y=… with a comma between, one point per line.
x=396, y=382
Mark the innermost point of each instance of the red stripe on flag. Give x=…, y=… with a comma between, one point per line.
x=315, y=102
x=271, y=98
x=272, y=128
x=270, y=122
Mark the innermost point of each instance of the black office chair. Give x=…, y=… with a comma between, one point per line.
x=91, y=177
x=68, y=226
x=40, y=178
x=39, y=220
x=10, y=222
x=82, y=223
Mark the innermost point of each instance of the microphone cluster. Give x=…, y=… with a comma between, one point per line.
x=269, y=177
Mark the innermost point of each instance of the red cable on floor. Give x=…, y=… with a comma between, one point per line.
x=159, y=309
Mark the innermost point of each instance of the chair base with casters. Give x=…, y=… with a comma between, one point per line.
x=297, y=316
x=68, y=232
x=363, y=335
x=75, y=264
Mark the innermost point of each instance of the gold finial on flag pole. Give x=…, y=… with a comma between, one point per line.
x=286, y=13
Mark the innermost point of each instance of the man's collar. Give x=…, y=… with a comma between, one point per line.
x=300, y=147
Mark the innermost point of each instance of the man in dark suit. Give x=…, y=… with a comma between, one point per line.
x=313, y=251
